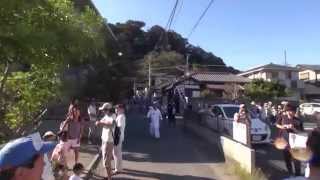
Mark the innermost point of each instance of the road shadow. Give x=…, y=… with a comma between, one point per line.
x=270, y=161
x=134, y=174
x=174, y=146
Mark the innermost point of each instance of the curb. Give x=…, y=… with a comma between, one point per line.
x=93, y=163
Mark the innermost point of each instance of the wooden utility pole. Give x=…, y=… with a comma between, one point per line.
x=149, y=74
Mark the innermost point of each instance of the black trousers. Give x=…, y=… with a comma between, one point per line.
x=289, y=160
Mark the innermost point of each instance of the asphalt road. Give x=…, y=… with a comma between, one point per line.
x=176, y=156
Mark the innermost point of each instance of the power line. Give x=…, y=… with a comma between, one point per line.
x=178, y=12
x=168, y=25
x=200, y=18
x=172, y=14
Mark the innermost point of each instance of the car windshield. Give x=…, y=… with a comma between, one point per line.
x=230, y=111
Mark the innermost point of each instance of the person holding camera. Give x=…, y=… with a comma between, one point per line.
x=107, y=122
x=289, y=123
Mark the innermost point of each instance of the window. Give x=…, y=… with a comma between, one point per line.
x=316, y=105
x=230, y=111
x=217, y=111
x=275, y=75
x=304, y=76
x=289, y=75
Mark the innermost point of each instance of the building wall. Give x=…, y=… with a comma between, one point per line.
x=308, y=75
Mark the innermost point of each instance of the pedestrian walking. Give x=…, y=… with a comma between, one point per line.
x=171, y=114
x=117, y=149
x=107, y=123
x=289, y=123
x=155, y=116
x=75, y=128
x=92, y=112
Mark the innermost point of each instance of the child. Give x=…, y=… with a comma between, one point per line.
x=61, y=150
x=77, y=170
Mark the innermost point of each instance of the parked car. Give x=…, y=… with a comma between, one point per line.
x=309, y=108
x=221, y=119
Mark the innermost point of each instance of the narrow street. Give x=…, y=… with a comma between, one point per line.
x=177, y=155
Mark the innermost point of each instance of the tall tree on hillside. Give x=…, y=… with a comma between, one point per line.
x=38, y=39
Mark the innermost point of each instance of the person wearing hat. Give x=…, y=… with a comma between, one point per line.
x=289, y=123
x=107, y=122
x=117, y=149
x=23, y=159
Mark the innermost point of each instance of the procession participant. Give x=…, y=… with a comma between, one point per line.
x=156, y=116
x=171, y=114
x=107, y=136
x=117, y=149
x=150, y=112
x=23, y=159
x=288, y=123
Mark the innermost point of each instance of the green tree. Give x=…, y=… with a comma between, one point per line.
x=260, y=90
x=38, y=39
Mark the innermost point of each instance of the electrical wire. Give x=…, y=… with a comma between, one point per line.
x=200, y=18
x=168, y=25
x=178, y=13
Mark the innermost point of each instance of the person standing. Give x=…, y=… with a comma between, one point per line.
x=117, y=149
x=171, y=115
x=243, y=116
x=75, y=128
x=92, y=112
x=150, y=112
x=289, y=123
x=155, y=117
x=107, y=122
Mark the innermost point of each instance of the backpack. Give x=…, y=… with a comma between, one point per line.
x=116, y=135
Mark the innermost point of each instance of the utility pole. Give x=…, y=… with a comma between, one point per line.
x=187, y=65
x=149, y=74
x=285, y=58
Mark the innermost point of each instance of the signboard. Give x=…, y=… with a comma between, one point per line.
x=240, y=132
x=297, y=140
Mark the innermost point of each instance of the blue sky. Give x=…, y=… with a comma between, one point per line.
x=244, y=33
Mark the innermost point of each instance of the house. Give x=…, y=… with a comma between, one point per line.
x=309, y=73
x=285, y=75
x=218, y=83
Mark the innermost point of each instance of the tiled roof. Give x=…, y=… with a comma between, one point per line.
x=219, y=77
x=270, y=66
x=309, y=66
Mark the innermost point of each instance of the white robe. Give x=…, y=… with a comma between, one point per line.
x=155, y=116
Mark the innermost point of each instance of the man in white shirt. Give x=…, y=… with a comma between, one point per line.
x=155, y=116
x=107, y=136
x=92, y=112
x=117, y=150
